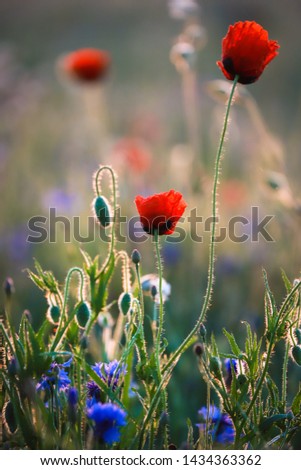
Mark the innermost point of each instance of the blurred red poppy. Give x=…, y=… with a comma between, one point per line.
x=246, y=51
x=87, y=65
x=134, y=153
x=160, y=212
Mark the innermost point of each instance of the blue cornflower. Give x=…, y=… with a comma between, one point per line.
x=56, y=375
x=229, y=364
x=221, y=426
x=108, y=419
x=110, y=373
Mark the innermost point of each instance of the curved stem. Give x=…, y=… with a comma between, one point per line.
x=114, y=191
x=141, y=300
x=209, y=289
x=161, y=306
x=59, y=331
x=163, y=397
x=284, y=373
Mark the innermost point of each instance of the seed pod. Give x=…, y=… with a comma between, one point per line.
x=102, y=211
x=54, y=314
x=125, y=303
x=136, y=257
x=82, y=314
x=296, y=353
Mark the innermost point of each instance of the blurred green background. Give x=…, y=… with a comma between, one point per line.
x=53, y=136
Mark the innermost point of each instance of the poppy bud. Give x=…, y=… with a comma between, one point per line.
x=54, y=314
x=203, y=332
x=82, y=314
x=154, y=291
x=125, y=303
x=215, y=367
x=136, y=257
x=296, y=353
x=102, y=211
x=8, y=286
x=241, y=380
x=183, y=56
x=298, y=335
x=198, y=349
x=28, y=315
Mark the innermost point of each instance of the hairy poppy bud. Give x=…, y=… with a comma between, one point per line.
x=102, y=211
x=296, y=353
x=198, y=349
x=136, y=257
x=241, y=380
x=54, y=314
x=82, y=314
x=125, y=302
x=203, y=332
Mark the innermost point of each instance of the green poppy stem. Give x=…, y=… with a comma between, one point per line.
x=209, y=289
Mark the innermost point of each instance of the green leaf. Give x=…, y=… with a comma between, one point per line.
x=287, y=282
x=267, y=423
x=36, y=280
x=296, y=405
x=190, y=433
x=234, y=346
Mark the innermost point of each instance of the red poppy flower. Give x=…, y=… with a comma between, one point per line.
x=160, y=212
x=246, y=51
x=87, y=65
